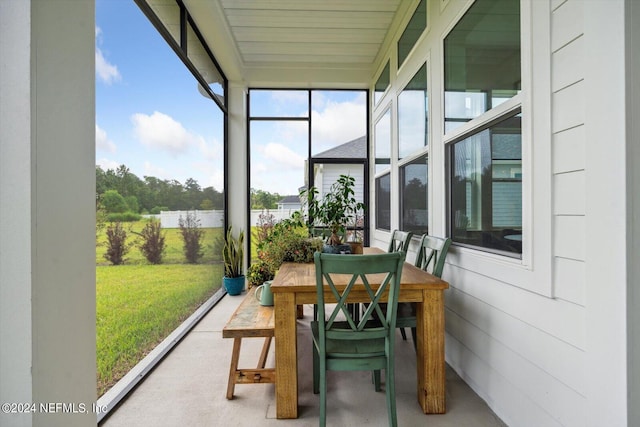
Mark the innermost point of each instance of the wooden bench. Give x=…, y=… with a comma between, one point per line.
x=250, y=320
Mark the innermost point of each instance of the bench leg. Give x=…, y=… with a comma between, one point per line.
x=265, y=351
x=235, y=356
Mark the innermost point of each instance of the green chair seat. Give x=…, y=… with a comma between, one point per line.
x=350, y=347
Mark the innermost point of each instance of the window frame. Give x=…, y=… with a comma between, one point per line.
x=400, y=64
x=534, y=271
x=480, y=123
x=449, y=154
x=407, y=161
x=311, y=160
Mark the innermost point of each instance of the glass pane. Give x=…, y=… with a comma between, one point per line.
x=382, y=84
x=413, y=115
x=159, y=151
x=278, y=156
x=279, y=103
x=339, y=124
x=412, y=33
x=482, y=60
x=383, y=142
x=414, y=196
x=486, y=188
x=383, y=202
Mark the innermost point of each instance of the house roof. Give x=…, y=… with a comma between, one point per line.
x=290, y=200
x=354, y=149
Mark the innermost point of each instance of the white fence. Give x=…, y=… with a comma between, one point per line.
x=208, y=219
x=215, y=218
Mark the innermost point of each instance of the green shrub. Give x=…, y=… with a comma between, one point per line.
x=192, y=236
x=124, y=217
x=132, y=203
x=156, y=209
x=258, y=273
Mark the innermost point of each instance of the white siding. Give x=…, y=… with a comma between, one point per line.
x=533, y=355
x=568, y=148
x=331, y=172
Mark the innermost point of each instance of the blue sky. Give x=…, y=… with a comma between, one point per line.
x=149, y=113
x=151, y=117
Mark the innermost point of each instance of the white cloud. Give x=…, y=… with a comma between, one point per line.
x=105, y=71
x=107, y=164
x=103, y=143
x=277, y=169
x=160, y=131
x=337, y=123
x=156, y=171
x=291, y=96
x=282, y=156
x=212, y=151
x=215, y=180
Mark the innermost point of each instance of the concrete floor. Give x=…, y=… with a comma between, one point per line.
x=188, y=388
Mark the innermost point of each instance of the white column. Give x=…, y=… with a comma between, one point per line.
x=237, y=160
x=47, y=210
x=632, y=62
x=15, y=209
x=606, y=291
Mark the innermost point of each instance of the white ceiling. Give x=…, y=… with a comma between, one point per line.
x=297, y=42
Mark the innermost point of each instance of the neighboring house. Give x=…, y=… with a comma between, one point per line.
x=325, y=174
x=289, y=204
x=548, y=337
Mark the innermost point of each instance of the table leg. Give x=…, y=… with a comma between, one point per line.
x=235, y=356
x=286, y=357
x=430, y=352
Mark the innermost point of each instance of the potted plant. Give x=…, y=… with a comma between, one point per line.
x=335, y=210
x=232, y=256
x=258, y=273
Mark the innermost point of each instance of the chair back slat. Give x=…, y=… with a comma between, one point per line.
x=432, y=253
x=400, y=241
x=378, y=274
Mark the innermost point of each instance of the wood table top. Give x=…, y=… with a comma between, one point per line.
x=301, y=277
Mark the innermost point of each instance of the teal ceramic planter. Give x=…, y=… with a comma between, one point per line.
x=233, y=285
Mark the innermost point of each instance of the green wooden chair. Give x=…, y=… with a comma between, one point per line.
x=431, y=256
x=356, y=345
x=400, y=241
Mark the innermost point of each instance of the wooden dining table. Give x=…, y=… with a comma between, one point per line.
x=295, y=285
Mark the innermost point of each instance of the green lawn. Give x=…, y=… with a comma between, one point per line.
x=139, y=304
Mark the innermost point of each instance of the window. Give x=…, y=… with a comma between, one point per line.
x=382, y=84
x=383, y=142
x=413, y=196
x=482, y=60
x=412, y=32
x=482, y=71
x=413, y=115
x=486, y=187
x=383, y=202
x=301, y=138
x=382, y=165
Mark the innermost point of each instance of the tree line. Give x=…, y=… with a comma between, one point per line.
x=120, y=190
